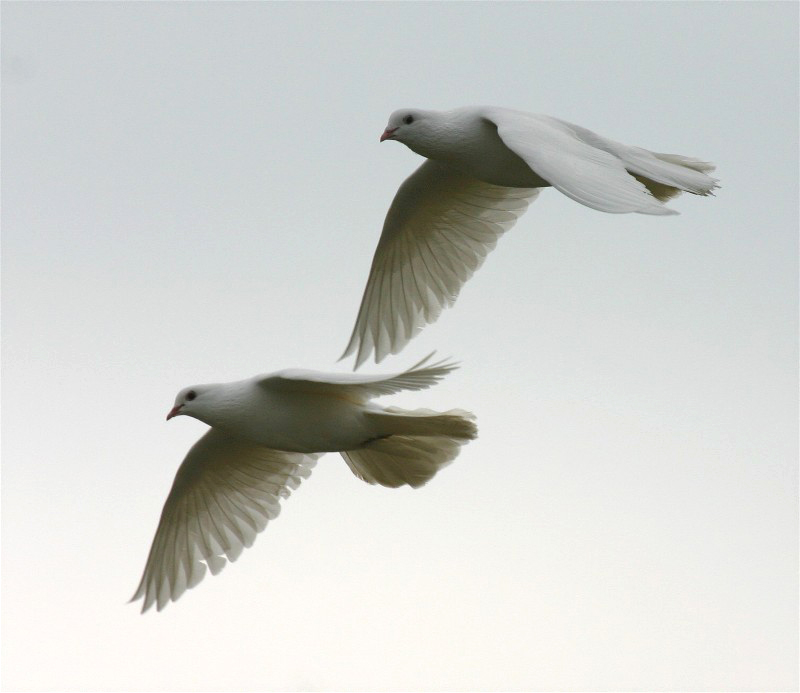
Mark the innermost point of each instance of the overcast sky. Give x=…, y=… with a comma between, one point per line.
x=193, y=193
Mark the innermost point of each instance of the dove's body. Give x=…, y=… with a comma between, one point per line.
x=484, y=166
x=266, y=434
x=529, y=150
x=292, y=420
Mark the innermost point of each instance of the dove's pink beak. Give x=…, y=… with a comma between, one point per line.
x=174, y=411
x=387, y=134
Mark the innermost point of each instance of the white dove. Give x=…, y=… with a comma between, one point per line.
x=266, y=435
x=484, y=166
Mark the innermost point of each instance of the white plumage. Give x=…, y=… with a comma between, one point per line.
x=266, y=435
x=485, y=165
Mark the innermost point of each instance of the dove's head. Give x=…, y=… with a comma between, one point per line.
x=191, y=401
x=413, y=127
x=400, y=124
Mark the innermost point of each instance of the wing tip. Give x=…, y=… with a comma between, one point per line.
x=664, y=212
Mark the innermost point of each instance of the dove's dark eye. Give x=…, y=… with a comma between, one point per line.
x=408, y=120
x=190, y=395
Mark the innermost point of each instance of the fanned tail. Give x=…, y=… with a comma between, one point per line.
x=422, y=443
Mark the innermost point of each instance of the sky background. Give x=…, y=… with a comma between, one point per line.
x=193, y=193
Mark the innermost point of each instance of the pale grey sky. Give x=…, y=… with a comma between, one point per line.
x=193, y=192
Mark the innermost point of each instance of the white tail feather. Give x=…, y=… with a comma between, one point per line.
x=421, y=443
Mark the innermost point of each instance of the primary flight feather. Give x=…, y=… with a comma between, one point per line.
x=265, y=437
x=484, y=166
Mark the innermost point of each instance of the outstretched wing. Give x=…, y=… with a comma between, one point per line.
x=438, y=231
x=355, y=386
x=588, y=174
x=225, y=492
